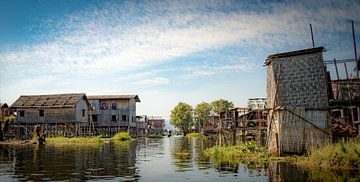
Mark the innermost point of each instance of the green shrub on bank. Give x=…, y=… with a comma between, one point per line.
x=121, y=136
x=248, y=151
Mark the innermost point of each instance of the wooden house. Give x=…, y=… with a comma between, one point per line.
x=114, y=113
x=142, y=125
x=156, y=125
x=297, y=94
x=58, y=114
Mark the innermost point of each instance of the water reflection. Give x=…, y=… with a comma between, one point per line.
x=167, y=159
x=49, y=162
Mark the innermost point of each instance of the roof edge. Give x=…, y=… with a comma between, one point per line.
x=294, y=53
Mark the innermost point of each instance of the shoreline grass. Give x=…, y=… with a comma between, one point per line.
x=344, y=156
x=334, y=156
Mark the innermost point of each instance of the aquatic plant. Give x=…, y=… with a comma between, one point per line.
x=341, y=155
x=193, y=135
x=121, y=136
x=79, y=140
x=248, y=151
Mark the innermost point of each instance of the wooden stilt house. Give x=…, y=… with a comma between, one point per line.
x=298, y=98
x=59, y=114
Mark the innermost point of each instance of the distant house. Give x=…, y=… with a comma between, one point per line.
x=142, y=125
x=64, y=110
x=114, y=113
x=156, y=125
x=257, y=103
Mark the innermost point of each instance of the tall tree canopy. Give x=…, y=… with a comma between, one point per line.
x=202, y=113
x=181, y=117
x=221, y=105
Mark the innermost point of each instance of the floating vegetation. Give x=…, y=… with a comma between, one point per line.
x=75, y=140
x=194, y=135
x=344, y=156
x=245, y=152
x=121, y=136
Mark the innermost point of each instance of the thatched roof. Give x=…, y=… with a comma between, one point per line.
x=49, y=101
x=114, y=97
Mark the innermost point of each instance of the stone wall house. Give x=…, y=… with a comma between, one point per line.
x=297, y=95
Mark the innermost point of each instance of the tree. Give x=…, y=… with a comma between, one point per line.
x=202, y=114
x=181, y=117
x=221, y=105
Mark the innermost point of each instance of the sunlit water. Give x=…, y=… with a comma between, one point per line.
x=166, y=159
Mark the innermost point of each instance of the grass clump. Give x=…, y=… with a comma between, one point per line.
x=123, y=136
x=245, y=152
x=340, y=155
x=77, y=140
x=193, y=135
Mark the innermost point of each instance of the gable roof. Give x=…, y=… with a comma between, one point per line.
x=4, y=105
x=293, y=53
x=113, y=97
x=49, y=101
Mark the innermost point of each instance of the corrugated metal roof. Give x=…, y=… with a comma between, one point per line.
x=48, y=101
x=113, y=97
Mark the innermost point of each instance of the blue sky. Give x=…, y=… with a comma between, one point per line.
x=164, y=51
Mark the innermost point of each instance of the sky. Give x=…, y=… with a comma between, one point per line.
x=164, y=51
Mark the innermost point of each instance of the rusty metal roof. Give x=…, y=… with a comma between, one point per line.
x=113, y=97
x=49, y=101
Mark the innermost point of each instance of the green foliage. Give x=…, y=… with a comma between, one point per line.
x=8, y=120
x=202, y=113
x=181, y=117
x=193, y=135
x=221, y=105
x=245, y=152
x=121, y=136
x=337, y=156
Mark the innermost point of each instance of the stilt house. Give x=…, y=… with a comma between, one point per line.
x=298, y=98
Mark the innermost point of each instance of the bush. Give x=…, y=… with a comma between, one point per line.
x=239, y=153
x=121, y=136
x=193, y=135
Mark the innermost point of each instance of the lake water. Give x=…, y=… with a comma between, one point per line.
x=166, y=159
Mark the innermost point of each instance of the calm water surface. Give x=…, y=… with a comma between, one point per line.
x=166, y=159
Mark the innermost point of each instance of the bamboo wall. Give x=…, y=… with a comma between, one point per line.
x=297, y=83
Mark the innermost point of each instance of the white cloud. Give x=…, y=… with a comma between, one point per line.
x=218, y=69
x=152, y=82
x=118, y=38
